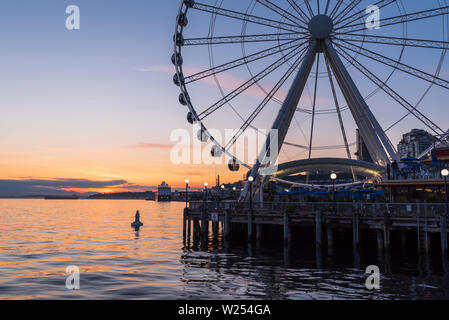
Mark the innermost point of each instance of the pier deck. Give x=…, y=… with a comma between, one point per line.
x=382, y=218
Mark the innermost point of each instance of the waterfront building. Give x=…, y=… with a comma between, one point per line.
x=414, y=143
x=164, y=192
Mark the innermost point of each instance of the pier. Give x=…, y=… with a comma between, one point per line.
x=419, y=222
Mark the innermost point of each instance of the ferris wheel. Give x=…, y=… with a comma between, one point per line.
x=285, y=65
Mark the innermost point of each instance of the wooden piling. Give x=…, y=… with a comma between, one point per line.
x=287, y=233
x=380, y=241
x=330, y=240
x=318, y=229
x=258, y=232
x=184, y=224
x=443, y=225
x=204, y=224
x=386, y=231
x=227, y=224
x=250, y=225
x=355, y=231
x=403, y=240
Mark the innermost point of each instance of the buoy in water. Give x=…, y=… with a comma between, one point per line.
x=137, y=223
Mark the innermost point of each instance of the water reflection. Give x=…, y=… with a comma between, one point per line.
x=236, y=269
x=39, y=239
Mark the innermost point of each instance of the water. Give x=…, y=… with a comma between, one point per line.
x=39, y=239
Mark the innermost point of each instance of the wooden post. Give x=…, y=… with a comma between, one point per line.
x=287, y=234
x=196, y=227
x=355, y=231
x=227, y=224
x=387, y=231
x=259, y=232
x=404, y=240
x=189, y=228
x=380, y=241
x=184, y=224
x=330, y=240
x=318, y=229
x=250, y=225
x=443, y=225
x=204, y=223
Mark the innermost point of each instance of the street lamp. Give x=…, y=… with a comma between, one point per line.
x=205, y=190
x=187, y=192
x=445, y=173
x=222, y=191
x=250, y=213
x=251, y=179
x=333, y=178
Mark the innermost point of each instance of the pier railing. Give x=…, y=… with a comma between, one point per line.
x=397, y=209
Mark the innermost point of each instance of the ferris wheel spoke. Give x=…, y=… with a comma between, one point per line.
x=243, y=39
x=347, y=10
x=242, y=61
x=336, y=8
x=309, y=7
x=397, y=65
x=298, y=10
x=337, y=107
x=246, y=17
x=314, y=104
x=397, y=20
x=419, y=43
x=249, y=83
x=388, y=90
x=327, y=7
x=265, y=101
x=281, y=12
x=381, y=4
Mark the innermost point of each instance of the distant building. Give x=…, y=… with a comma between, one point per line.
x=163, y=192
x=362, y=151
x=414, y=143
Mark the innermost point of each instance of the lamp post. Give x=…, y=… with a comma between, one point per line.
x=234, y=189
x=445, y=174
x=250, y=213
x=187, y=192
x=205, y=190
x=251, y=179
x=222, y=191
x=333, y=178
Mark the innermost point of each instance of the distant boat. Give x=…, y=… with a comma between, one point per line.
x=74, y=197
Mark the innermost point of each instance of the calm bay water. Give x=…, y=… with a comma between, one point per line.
x=39, y=239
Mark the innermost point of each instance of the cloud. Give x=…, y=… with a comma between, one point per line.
x=34, y=187
x=229, y=83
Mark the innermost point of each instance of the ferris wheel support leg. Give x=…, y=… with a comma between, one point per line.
x=285, y=115
x=377, y=142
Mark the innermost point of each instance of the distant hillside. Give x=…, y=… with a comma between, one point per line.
x=148, y=195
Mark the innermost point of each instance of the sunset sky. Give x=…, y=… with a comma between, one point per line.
x=92, y=110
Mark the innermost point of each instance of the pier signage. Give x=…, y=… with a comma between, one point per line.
x=214, y=216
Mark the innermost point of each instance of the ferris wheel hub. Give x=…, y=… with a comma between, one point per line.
x=321, y=26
